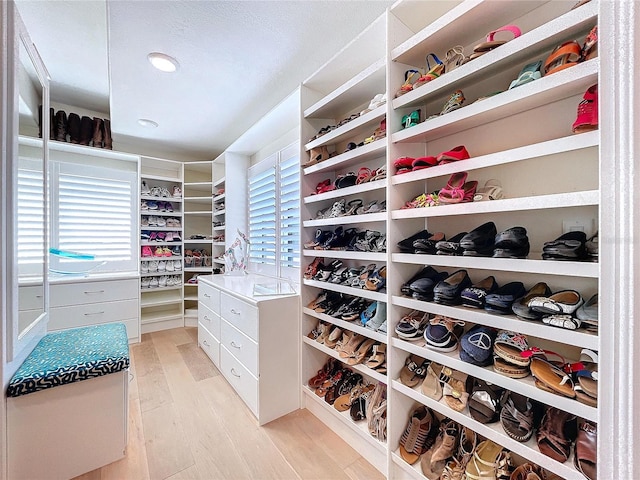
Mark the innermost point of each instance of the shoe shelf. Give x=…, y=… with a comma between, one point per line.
x=347, y=219
x=344, y=192
x=195, y=240
x=160, y=178
x=219, y=182
x=191, y=297
x=197, y=269
x=539, y=202
x=152, y=244
x=160, y=289
x=358, y=367
x=155, y=303
x=157, y=213
x=151, y=259
x=540, y=41
x=530, y=265
x=159, y=274
x=353, y=326
x=197, y=184
x=220, y=197
x=579, y=338
x=356, y=292
x=203, y=213
x=218, y=212
x=525, y=386
x=352, y=94
x=347, y=255
x=146, y=318
x=528, y=152
x=364, y=124
x=217, y=260
x=359, y=155
x=161, y=199
x=566, y=83
x=218, y=244
x=491, y=431
x=220, y=228
x=198, y=200
x=359, y=427
x=160, y=229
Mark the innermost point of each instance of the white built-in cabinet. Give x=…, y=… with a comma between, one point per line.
x=523, y=137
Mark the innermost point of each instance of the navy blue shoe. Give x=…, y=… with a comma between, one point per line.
x=501, y=300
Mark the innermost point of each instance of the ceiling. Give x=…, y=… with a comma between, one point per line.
x=238, y=59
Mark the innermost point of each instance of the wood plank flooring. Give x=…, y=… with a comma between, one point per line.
x=187, y=423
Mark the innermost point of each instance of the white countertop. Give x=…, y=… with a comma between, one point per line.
x=244, y=286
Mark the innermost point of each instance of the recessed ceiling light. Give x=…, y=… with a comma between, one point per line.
x=163, y=62
x=145, y=122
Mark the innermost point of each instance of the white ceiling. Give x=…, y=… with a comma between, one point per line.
x=238, y=59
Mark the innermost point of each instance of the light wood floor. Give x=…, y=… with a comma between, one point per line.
x=186, y=422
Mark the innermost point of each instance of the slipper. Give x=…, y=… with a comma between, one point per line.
x=491, y=43
x=492, y=190
x=563, y=56
x=529, y=73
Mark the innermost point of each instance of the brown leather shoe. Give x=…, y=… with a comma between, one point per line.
x=585, y=458
x=527, y=471
x=554, y=434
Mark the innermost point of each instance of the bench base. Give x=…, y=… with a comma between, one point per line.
x=63, y=432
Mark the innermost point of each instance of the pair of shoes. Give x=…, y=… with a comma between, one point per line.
x=431, y=72
x=570, y=53
x=491, y=43
x=410, y=164
x=569, y=246
x=410, y=76
x=458, y=190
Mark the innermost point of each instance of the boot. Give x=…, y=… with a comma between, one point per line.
x=97, y=132
x=106, y=137
x=74, y=128
x=39, y=121
x=86, y=130
x=52, y=124
x=61, y=126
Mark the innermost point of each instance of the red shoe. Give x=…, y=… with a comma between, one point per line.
x=403, y=164
x=453, y=155
x=454, y=191
x=424, y=162
x=469, y=190
x=587, y=118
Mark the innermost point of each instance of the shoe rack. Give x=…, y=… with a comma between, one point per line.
x=550, y=178
x=219, y=214
x=161, y=307
x=198, y=218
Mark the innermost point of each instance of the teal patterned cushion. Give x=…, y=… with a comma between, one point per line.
x=71, y=356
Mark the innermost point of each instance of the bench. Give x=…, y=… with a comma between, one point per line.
x=67, y=405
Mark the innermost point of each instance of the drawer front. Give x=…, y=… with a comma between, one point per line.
x=209, y=319
x=31, y=297
x=240, y=379
x=92, y=314
x=239, y=314
x=210, y=296
x=209, y=345
x=241, y=346
x=93, y=292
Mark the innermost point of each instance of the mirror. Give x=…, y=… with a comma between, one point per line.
x=29, y=193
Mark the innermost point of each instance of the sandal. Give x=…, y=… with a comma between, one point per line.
x=528, y=471
x=407, y=86
x=454, y=102
x=434, y=461
x=552, y=437
x=587, y=117
x=454, y=58
x=411, y=120
x=353, y=206
x=492, y=190
x=590, y=47
x=378, y=356
x=484, y=462
x=455, y=393
x=563, y=56
x=551, y=378
x=437, y=375
x=491, y=43
x=432, y=73
x=416, y=439
x=585, y=458
x=484, y=401
x=364, y=175
x=453, y=192
x=317, y=155
x=346, y=401
x=414, y=370
x=516, y=416
x=529, y=73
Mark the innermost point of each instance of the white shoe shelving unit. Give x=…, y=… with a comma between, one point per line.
x=161, y=307
x=550, y=179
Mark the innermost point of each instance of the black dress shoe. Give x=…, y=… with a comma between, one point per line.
x=422, y=288
x=427, y=272
x=570, y=246
x=406, y=245
x=451, y=246
x=512, y=243
x=479, y=242
x=428, y=245
x=502, y=299
x=447, y=292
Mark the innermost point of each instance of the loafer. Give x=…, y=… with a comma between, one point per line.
x=501, y=300
x=521, y=306
x=480, y=241
x=422, y=288
x=569, y=246
x=406, y=245
x=451, y=246
x=475, y=295
x=426, y=272
x=428, y=245
x=448, y=291
x=564, y=302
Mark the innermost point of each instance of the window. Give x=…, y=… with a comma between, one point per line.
x=29, y=217
x=274, y=212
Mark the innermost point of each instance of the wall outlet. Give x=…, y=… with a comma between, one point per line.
x=573, y=226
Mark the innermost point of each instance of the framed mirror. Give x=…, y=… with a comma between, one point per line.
x=28, y=232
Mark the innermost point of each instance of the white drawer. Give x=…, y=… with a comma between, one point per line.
x=92, y=314
x=241, y=346
x=241, y=315
x=93, y=292
x=210, y=296
x=209, y=319
x=209, y=345
x=30, y=297
x=240, y=379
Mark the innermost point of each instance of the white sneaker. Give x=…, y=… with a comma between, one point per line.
x=144, y=267
x=169, y=266
x=162, y=281
x=153, y=283
x=144, y=282
x=164, y=192
x=153, y=266
x=162, y=266
x=177, y=265
x=144, y=189
x=155, y=192
x=161, y=222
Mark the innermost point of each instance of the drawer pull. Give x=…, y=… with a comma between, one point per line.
x=95, y=292
x=94, y=313
x=233, y=372
x=235, y=345
x=207, y=295
x=39, y=296
x=235, y=312
x=205, y=343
